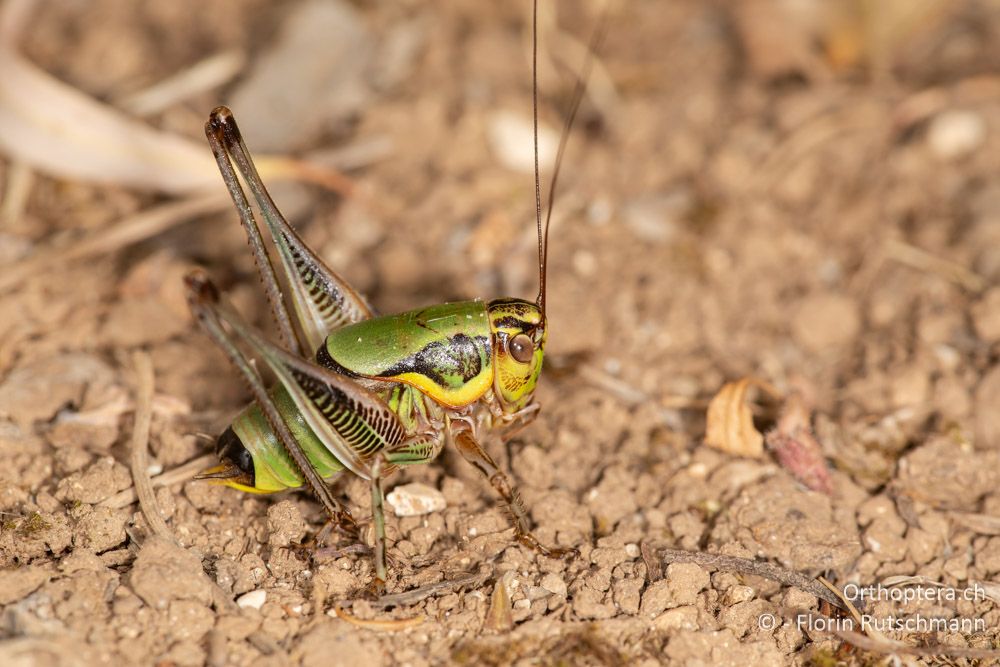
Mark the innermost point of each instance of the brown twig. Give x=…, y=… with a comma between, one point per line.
x=845, y=602
x=757, y=568
x=139, y=464
x=921, y=260
x=181, y=473
x=139, y=458
x=211, y=72
x=424, y=592
x=378, y=624
x=20, y=181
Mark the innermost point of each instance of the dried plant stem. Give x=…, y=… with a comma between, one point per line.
x=654, y=566
x=756, y=568
x=921, y=260
x=20, y=180
x=206, y=74
x=629, y=395
x=181, y=473
x=139, y=463
x=845, y=603
x=139, y=459
x=378, y=624
x=131, y=230
x=424, y=592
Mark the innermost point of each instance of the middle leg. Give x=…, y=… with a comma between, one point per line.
x=378, y=521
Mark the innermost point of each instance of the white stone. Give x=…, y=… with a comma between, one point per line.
x=415, y=500
x=955, y=133
x=252, y=600
x=512, y=139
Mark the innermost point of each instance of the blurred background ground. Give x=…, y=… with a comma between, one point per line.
x=803, y=192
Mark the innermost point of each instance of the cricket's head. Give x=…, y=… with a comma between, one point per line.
x=518, y=328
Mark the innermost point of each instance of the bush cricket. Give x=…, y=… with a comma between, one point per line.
x=360, y=392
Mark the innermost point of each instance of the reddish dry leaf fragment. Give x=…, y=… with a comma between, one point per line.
x=796, y=448
x=730, y=422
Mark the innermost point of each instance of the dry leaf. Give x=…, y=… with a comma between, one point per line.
x=56, y=129
x=499, y=617
x=59, y=130
x=730, y=422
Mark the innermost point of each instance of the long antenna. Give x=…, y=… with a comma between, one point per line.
x=578, y=91
x=538, y=182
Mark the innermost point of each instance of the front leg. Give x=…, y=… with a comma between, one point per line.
x=477, y=456
x=518, y=421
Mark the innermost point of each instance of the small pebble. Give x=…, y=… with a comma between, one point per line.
x=554, y=584
x=956, y=133
x=415, y=500
x=252, y=600
x=511, y=137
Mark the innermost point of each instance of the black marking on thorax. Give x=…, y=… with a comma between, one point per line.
x=459, y=356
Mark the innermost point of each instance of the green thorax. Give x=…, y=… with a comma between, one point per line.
x=444, y=351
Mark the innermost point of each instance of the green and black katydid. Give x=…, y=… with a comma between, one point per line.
x=364, y=393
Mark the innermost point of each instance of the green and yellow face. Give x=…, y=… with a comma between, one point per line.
x=518, y=329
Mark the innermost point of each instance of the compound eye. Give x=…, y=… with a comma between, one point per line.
x=521, y=348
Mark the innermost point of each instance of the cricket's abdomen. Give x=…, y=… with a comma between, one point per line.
x=272, y=466
x=274, y=469
x=444, y=351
